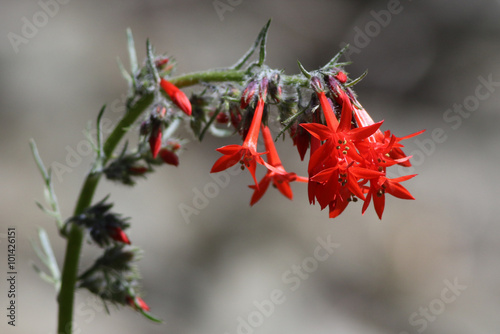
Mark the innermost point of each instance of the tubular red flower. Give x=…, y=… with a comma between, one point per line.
x=177, y=96
x=245, y=153
x=278, y=175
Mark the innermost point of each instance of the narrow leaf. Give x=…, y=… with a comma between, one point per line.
x=124, y=72
x=131, y=52
x=263, y=42
x=263, y=32
x=304, y=71
x=358, y=79
x=151, y=61
x=333, y=61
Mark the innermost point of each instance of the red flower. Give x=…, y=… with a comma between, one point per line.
x=383, y=185
x=117, y=234
x=246, y=153
x=137, y=303
x=281, y=179
x=177, y=96
x=392, y=148
x=331, y=165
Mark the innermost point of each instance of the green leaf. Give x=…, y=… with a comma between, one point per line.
x=46, y=255
x=49, y=194
x=131, y=52
x=151, y=62
x=263, y=32
x=263, y=41
x=99, y=133
x=150, y=316
x=358, y=79
x=303, y=70
x=333, y=61
x=124, y=72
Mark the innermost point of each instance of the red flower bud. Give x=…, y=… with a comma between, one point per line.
x=117, y=234
x=137, y=170
x=177, y=96
x=137, y=303
x=316, y=84
x=222, y=118
x=248, y=94
x=155, y=140
x=169, y=157
x=341, y=77
x=161, y=62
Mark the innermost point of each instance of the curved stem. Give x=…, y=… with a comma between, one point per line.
x=76, y=235
x=75, y=238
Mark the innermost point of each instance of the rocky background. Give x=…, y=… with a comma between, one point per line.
x=430, y=266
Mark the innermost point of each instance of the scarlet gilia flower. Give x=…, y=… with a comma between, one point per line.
x=381, y=185
x=137, y=303
x=117, y=234
x=334, y=165
x=392, y=147
x=280, y=178
x=246, y=153
x=177, y=96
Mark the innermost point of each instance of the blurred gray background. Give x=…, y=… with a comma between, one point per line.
x=430, y=265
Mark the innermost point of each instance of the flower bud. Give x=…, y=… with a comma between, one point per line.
x=137, y=303
x=169, y=157
x=248, y=93
x=155, y=139
x=341, y=77
x=316, y=84
x=177, y=96
x=117, y=234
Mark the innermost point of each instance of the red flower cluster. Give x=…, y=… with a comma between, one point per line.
x=349, y=155
x=349, y=161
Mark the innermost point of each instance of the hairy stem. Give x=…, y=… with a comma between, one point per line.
x=76, y=234
x=75, y=238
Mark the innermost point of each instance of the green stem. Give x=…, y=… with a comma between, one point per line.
x=75, y=238
x=76, y=235
x=208, y=76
